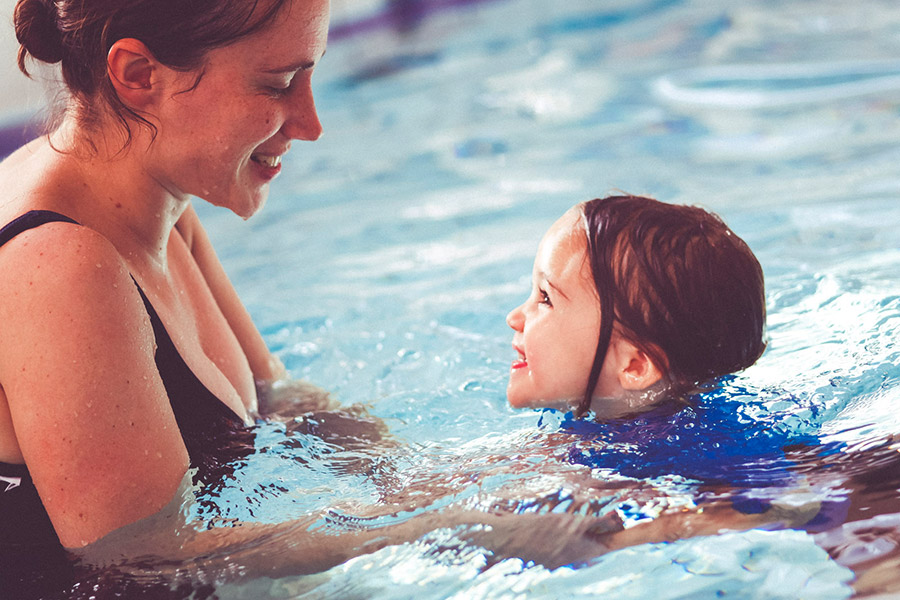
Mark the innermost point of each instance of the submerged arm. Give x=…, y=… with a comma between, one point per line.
x=320, y=541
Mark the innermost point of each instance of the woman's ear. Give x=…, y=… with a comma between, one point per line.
x=635, y=370
x=133, y=71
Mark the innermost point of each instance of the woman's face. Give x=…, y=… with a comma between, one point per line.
x=557, y=327
x=224, y=139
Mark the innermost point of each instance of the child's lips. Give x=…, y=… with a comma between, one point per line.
x=521, y=362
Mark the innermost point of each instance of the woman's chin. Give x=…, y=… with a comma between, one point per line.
x=244, y=201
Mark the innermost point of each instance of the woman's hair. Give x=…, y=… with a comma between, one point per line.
x=79, y=34
x=676, y=282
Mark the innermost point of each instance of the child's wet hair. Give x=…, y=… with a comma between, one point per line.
x=679, y=284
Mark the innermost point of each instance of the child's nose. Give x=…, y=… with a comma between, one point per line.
x=516, y=318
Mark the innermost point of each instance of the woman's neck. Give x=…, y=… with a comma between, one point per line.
x=119, y=194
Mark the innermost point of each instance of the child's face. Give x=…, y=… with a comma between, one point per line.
x=557, y=327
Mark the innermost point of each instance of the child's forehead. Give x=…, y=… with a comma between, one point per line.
x=564, y=244
x=567, y=231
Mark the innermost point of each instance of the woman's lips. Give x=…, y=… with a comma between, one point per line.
x=267, y=160
x=267, y=166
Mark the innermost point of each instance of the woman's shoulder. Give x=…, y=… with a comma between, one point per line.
x=34, y=177
x=28, y=165
x=58, y=246
x=190, y=229
x=62, y=271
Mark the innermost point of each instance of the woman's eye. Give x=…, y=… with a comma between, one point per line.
x=278, y=88
x=277, y=91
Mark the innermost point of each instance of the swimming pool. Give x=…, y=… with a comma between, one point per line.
x=392, y=249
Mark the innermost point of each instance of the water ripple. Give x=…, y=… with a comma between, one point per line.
x=758, y=86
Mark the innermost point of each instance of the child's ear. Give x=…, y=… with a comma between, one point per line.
x=636, y=370
x=133, y=72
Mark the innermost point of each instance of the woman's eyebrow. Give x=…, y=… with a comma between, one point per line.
x=293, y=67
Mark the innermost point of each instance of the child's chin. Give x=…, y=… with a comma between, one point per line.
x=519, y=402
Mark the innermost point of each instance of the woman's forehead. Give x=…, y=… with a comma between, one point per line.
x=296, y=36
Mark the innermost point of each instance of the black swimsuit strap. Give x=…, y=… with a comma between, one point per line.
x=30, y=220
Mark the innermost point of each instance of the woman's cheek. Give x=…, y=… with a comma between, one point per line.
x=269, y=119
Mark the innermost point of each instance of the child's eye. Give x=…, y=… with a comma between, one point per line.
x=545, y=298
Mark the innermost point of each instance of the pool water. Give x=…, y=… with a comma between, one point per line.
x=391, y=250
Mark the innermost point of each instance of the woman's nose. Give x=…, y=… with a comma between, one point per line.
x=302, y=121
x=516, y=319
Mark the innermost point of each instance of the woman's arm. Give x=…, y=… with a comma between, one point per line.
x=276, y=393
x=91, y=415
x=322, y=540
x=264, y=365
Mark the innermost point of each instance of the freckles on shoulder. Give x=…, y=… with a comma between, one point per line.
x=68, y=275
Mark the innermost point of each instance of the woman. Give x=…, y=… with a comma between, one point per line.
x=125, y=353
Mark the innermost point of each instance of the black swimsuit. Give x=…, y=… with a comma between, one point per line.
x=214, y=435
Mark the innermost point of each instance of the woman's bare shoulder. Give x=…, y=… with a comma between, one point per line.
x=60, y=253
x=65, y=285
x=22, y=155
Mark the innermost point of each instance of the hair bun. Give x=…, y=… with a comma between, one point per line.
x=37, y=31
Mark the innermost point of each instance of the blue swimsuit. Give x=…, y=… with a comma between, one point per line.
x=214, y=435
x=710, y=441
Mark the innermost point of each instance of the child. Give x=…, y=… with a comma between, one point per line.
x=633, y=301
